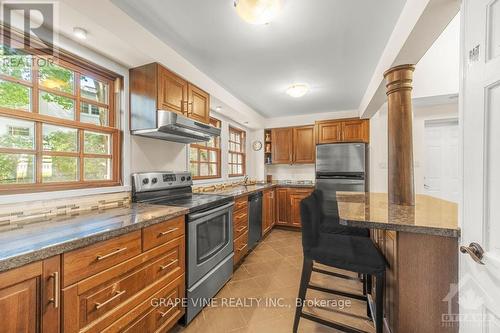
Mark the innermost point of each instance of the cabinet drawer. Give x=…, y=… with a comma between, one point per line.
x=240, y=228
x=162, y=232
x=241, y=203
x=98, y=301
x=82, y=263
x=240, y=216
x=159, y=312
x=240, y=247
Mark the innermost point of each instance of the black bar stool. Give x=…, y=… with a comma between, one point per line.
x=353, y=253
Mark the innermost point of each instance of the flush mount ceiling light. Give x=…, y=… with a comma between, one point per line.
x=80, y=33
x=297, y=90
x=258, y=11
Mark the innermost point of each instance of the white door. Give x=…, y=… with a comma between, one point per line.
x=441, y=175
x=479, y=292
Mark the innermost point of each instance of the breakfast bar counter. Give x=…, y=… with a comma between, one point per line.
x=420, y=244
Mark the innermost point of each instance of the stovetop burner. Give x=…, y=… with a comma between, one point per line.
x=173, y=189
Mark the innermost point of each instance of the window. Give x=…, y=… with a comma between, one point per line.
x=57, y=123
x=236, y=152
x=205, y=157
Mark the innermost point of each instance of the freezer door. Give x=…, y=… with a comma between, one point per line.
x=329, y=187
x=340, y=158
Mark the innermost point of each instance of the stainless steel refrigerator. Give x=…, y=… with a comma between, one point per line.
x=340, y=167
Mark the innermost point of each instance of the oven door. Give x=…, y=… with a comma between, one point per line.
x=210, y=241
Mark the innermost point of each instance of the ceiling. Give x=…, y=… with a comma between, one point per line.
x=332, y=45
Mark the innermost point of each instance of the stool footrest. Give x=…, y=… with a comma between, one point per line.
x=342, y=276
x=332, y=324
x=337, y=292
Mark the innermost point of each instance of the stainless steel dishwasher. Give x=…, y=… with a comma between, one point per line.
x=255, y=219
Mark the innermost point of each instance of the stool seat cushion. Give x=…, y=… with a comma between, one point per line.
x=357, y=254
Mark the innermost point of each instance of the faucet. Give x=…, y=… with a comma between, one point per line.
x=245, y=180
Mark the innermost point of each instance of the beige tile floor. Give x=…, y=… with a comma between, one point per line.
x=272, y=273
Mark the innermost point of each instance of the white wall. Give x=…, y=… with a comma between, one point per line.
x=378, y=143
x=437, y=73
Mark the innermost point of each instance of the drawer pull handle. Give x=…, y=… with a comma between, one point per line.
x=57, y=291
x=164, y=314
x=241, y=229
x=164, y=267
x=118, y=294
x=169, y=231
x=241, y=248
x=117, y=251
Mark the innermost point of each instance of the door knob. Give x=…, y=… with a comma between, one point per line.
x=475, y=251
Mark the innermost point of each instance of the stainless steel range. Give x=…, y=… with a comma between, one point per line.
x=209, y=243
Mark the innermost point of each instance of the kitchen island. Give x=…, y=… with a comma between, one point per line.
x=420, y=244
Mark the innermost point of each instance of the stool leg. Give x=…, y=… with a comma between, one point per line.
x=379, y=303
x=304, y=282
x=368, y=288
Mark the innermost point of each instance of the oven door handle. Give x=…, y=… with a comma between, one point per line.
x=209, y=212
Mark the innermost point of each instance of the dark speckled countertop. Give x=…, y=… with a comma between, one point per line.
x=61, y=234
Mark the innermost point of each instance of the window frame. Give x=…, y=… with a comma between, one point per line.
x=80, y=67
x=203, y=146
x=241, y=153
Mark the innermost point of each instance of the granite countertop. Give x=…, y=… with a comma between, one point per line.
x=430, y=215
x=60, y=234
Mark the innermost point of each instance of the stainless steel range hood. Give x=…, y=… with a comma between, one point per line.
x=177, y=128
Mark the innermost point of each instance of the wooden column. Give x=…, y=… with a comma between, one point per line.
x=400, y=135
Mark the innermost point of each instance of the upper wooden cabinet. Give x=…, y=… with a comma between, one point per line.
x=153, y=88
x=293, y=145
x=282, y=145
x=30, y=297
x=343, y=130
x=172, y=91
x=304, y=150
x=198, y=104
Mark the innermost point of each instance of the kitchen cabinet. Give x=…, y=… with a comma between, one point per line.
x=109, y=285
x=304, y=148
x=153, y=88
x=240, y=229
x=288, y=205
x=343, y=130
x=30, y=297
x=268, y=211
x=293, y=145
x=198, y=104
x=282, y=145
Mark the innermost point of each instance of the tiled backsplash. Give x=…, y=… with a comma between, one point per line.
x=13, y=216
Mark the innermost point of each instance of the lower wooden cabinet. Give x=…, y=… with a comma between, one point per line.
x=268, y=211
x=288, y=205
x=30, y=298
x=240, y=229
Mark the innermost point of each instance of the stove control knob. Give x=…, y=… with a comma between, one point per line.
x=154, y=180
x=189, y=178
x=183, y=178
x=145, y=181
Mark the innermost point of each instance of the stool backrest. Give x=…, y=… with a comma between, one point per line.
x=310, y=213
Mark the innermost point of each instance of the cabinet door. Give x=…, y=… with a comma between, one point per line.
x=172, y=91
x=282, y=206
x=304, y=149
x=29, y=298
x=282, y=145
x=296, y=196
x=272, y=207
x=199, y=104
x=329, y=131
x=355, y=131
x=265, y=212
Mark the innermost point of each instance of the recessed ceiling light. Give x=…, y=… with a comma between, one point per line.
x=297, y=90
x=218, y=108
x=258, y=11
x=80, y=33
